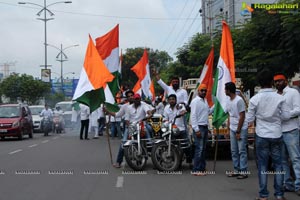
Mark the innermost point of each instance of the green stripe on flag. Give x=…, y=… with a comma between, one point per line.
x=93, y=99
x=219, y=115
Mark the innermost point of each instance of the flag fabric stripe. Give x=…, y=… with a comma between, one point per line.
x=143, y=85
x=225, y=73
x=94, y=76
x=108, y=48
x=83, y=85
x=140, y=68
x=94, y=66
x=226, y=51
x=207, y=76
x=110, y=41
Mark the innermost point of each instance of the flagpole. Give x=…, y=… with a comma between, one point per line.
x=108, y=140
x=216, y=150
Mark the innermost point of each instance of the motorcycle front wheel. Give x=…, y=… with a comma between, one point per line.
x=134, y=160
x=162, y=161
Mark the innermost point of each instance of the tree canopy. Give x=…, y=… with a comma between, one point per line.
x=23, y=87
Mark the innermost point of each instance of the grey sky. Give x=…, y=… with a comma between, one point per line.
x=149, y=23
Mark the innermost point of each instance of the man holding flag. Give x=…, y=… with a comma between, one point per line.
x=199, y=121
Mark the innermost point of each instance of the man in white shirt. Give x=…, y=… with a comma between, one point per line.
x=290, y=132
x=159, y=106
x=268, y=109
x=182, y=95
x=138, y=111
x=199, y=121
x=238, y=128
x=46, y=113
x=170, y=112
x=93, y=122
x=122, y=113
x=84, y=117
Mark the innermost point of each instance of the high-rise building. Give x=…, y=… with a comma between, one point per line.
x=234, y=12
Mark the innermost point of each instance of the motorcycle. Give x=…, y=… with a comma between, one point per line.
x=57, y=123
x=46, y=125
x=167, y=153
x=135, y=149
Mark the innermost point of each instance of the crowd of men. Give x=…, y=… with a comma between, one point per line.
x=275, y=114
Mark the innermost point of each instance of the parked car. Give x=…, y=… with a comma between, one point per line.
x=15, y=121
x=36, y=118
x=66, y=107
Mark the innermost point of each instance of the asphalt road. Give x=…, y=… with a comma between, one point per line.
x=63, y=167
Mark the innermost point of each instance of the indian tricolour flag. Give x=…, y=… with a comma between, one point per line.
x=108, y=48
x=225, y=73
x=93, y=78
x=144, y=85
x=206, y=77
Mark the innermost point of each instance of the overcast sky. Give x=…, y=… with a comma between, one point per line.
x=158, y=24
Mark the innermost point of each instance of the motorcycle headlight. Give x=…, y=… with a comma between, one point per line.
x=16, y=124
x=163, y=129
x=175, y=130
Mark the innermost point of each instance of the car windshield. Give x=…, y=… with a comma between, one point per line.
x=65, y=107
x=9, y=112
x=36, y=110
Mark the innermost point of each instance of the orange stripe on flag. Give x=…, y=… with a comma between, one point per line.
x=106, y=43
x=152, y=89
x=226, y=52
x=95, y=68
x=140, y=68
x=208, y=78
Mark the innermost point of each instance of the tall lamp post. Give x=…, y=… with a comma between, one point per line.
x=61, y=57
x=45, y=19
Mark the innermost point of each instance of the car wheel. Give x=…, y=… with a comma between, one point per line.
x=2, y=137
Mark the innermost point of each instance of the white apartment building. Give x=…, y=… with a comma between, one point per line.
x=232, y=11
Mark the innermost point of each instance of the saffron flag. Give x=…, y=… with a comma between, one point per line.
x=206, y=77
x=144, y=85
x=108, y=48
x=94, y=76
x=225, y=73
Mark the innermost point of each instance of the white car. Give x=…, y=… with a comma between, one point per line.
x=36, y=118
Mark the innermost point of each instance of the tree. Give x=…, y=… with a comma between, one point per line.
x=25, y=87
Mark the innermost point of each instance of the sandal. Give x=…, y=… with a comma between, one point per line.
x=232, y=174
x=242, y=176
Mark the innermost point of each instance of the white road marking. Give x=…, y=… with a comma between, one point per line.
x=120, y=182
x=45, y=141
x=16, y=151
x=55, y=138
x=34, y=145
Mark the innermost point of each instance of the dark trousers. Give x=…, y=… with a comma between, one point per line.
x=85, y=127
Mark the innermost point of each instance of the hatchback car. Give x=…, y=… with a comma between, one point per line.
x=36, y=118
x=15, y=121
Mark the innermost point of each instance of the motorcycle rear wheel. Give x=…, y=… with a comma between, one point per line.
x=135, y=161
x=162, y=161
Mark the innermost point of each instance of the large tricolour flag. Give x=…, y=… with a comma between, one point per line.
x=225, y=73
x=144, y=85
x=206, y=77
x=108, y=48
x=93, y=78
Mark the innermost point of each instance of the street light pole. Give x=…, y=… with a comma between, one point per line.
x=61, y=57
x=45, y=19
